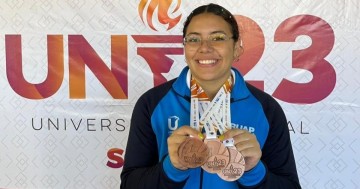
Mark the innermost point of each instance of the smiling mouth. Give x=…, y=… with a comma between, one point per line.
x=207, y=61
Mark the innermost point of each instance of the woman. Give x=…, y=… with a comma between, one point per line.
x=257, y=126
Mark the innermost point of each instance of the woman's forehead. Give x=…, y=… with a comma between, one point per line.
x=208, y=23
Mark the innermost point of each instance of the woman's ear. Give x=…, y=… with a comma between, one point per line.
x=238, y=51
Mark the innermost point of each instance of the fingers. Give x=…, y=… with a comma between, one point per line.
x=242, y=138
x=187, y=131
x=174, y=141
x=233, y=132
x=247, y=144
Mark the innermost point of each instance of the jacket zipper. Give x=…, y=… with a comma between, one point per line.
x=201, y=178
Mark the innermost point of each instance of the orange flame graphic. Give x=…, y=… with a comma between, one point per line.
x=163, y=8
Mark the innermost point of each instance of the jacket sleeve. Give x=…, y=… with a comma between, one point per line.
x=277, y=154
x=143, y=168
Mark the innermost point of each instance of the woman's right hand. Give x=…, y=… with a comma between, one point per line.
x=174, y=141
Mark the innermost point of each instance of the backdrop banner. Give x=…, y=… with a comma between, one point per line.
x=71, y=72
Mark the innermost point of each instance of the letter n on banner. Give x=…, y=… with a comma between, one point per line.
x=114, y=80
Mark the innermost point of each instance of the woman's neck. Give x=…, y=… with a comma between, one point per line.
x=211, y=88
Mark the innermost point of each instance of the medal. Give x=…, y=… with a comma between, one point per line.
x=236, y=167
x=193, y=152
x=218, y=157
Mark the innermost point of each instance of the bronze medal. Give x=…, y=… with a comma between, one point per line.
x=236, y=167
x=218, y=158
x=193, y=152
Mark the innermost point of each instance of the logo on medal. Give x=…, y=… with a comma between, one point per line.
x=193, y=159
x=217, y=163
x=193, y=152
x=232, y=171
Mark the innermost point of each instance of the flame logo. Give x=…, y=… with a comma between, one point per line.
x=162, y=7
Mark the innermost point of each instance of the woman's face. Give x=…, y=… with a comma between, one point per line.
x=209, y=60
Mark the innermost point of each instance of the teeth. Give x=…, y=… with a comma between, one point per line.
x=207, y=61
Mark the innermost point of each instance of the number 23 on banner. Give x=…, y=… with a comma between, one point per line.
x=311, y=59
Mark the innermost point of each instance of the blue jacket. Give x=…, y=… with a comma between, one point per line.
x=161, y=110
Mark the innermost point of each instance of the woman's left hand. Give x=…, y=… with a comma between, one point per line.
x=247, y=144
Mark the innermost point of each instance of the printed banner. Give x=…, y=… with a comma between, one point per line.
x=73, y=70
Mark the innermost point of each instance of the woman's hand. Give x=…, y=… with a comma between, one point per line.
x=247, y=144
x=174, y=141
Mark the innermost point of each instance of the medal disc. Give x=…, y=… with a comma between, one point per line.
x=218, y=157
x=193, y=153
x=236, y=167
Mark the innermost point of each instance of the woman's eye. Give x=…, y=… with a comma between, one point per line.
x=218, y=38
x=194, y=40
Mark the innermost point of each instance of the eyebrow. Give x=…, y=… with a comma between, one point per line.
x=196, y=33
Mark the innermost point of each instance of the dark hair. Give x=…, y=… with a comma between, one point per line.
x=217, y=10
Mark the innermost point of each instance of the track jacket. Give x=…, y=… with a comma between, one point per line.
x=161, y=110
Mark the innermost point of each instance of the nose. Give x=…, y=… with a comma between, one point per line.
x=205, y=46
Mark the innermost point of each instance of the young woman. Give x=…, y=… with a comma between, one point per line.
x=256, y=123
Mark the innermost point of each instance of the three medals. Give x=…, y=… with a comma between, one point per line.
x=213, y=117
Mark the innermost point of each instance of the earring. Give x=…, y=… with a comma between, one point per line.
x=236, y=58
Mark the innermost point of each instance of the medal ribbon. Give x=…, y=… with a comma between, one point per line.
x=211, y=116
